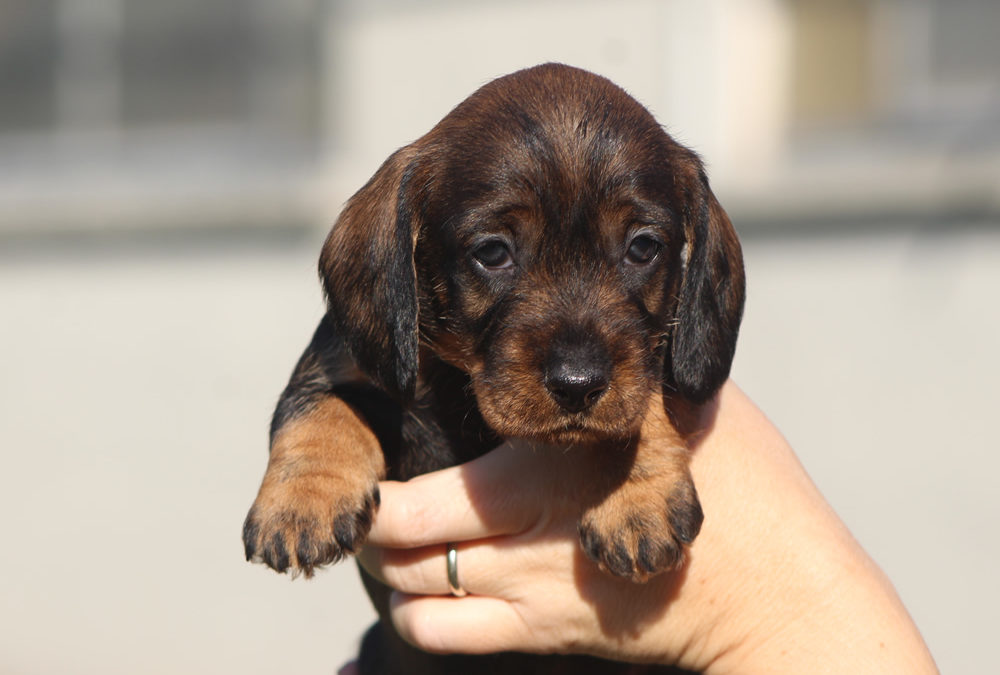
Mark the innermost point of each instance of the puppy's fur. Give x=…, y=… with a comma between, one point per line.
x=543, y=264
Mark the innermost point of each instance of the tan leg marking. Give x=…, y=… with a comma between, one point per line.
x=648, y=510
x=320, y=492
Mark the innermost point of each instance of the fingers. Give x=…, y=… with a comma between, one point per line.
x=514, y=592
x=503, y=567
x=412, y=570
x=424, y=571
x=472, y=501
x=470, y=625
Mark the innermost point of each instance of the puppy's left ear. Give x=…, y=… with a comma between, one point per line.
x=711, y=298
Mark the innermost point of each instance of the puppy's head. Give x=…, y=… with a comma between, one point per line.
x=550, y=239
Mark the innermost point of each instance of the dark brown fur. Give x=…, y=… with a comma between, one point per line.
x=492, y=280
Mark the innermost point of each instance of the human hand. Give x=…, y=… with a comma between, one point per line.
x=774, y=583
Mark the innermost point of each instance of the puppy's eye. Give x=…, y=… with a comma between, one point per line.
x=642, y=250
x=493, y=255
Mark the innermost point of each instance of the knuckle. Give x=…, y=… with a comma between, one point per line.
x=411, y=574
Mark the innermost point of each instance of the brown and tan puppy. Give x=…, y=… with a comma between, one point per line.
x=543, y=264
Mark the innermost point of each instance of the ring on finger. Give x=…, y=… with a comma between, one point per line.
x=453, y=584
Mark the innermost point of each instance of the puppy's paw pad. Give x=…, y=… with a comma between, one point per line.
x=630, y=537
x=300, y=529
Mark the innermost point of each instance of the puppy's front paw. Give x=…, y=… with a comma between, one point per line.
x=640, y=530
x=309, y=520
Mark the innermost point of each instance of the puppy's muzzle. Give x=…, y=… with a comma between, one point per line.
x=577, y=373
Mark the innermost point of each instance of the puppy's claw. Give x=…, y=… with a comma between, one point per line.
x=250, y=533
x=684, y=511
x=275, y=554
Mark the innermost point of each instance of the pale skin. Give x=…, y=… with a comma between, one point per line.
x=773, y=584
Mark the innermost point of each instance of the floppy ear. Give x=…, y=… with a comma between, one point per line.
x=368, y=274
x=711, y=299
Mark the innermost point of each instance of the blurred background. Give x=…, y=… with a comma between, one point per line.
x=168, y=171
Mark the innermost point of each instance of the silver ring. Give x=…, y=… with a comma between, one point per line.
x=453, y=585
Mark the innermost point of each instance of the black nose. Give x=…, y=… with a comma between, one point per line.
x=576, y=374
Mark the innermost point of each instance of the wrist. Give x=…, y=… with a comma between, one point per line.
x=780, y=582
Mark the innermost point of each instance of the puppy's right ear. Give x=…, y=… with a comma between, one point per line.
x=369, y=277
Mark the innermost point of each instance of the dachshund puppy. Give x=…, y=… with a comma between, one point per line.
x=543, y=264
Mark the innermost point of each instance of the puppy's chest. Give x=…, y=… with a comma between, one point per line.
x=441, y=428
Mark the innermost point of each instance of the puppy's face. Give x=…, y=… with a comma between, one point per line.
x=558, y=246
x=548, y=266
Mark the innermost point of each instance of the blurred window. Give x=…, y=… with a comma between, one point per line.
x=27, y=64
x=929, y=66
x=147, y=114
x=964, y=44
x=186, y=61
x=127, y=65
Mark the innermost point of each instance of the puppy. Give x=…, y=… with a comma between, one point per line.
x=543, y=264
